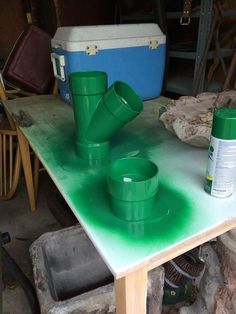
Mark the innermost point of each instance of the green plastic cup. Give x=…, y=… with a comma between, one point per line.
x=132, y=185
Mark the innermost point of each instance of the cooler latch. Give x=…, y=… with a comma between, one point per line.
x=92, y=50
x=153, y=44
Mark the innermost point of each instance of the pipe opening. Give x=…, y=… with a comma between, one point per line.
x=128, y=96
x=135, y=169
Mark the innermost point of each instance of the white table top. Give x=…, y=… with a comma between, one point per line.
x=185, y=215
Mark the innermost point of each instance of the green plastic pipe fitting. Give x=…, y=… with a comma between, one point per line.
x=99, y=112
x=132, y=185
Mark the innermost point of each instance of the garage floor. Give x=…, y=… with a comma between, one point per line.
x=24, y=227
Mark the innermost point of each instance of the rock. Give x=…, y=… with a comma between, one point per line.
x=226, y=297
x=228, y=239
x=210, y=283
x=155, y=290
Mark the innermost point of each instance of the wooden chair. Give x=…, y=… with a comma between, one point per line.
x=10, y=159
x=10, y=163
x=11, y=155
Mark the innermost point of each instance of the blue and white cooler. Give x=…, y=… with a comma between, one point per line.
x=133, y=53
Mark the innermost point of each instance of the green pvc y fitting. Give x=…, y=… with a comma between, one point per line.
x=99, y=112
x=87, y=89
x=119, y=105
x=132, y=185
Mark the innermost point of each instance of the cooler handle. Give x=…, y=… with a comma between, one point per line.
x=61, y=62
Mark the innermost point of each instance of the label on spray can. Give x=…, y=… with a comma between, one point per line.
x=221, y=167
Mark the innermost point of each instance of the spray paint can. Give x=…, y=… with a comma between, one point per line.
x=221, y=165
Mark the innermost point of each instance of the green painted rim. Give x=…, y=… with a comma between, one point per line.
x=92, y=150
x=88, y=82
x=132, y=211
x=132, y=179
x=122, y=101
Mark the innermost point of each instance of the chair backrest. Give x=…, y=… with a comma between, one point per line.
x=10, y=163
x=3, y=98
x=29, y=65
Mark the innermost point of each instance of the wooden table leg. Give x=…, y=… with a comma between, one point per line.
x=26, y=162
x=36, y=174
x=131, y=293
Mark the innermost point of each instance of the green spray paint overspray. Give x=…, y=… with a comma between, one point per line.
x=169, y=218
x=88, y=193
x=99, y=112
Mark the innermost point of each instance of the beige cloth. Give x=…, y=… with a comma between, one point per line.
x=190, y=118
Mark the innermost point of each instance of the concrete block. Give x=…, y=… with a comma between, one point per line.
x=71, y=277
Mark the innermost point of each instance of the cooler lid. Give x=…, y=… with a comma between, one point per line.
x=77, y=38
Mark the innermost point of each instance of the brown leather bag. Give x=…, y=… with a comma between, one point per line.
x=29, y=65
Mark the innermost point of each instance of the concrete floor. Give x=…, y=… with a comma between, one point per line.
x=24, y=227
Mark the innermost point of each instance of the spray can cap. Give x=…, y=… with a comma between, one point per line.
x=224, y=124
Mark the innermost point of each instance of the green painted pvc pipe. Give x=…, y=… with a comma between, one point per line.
x=119, y=105
x=87, y=89
x=99, y=112
x=132, y=185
